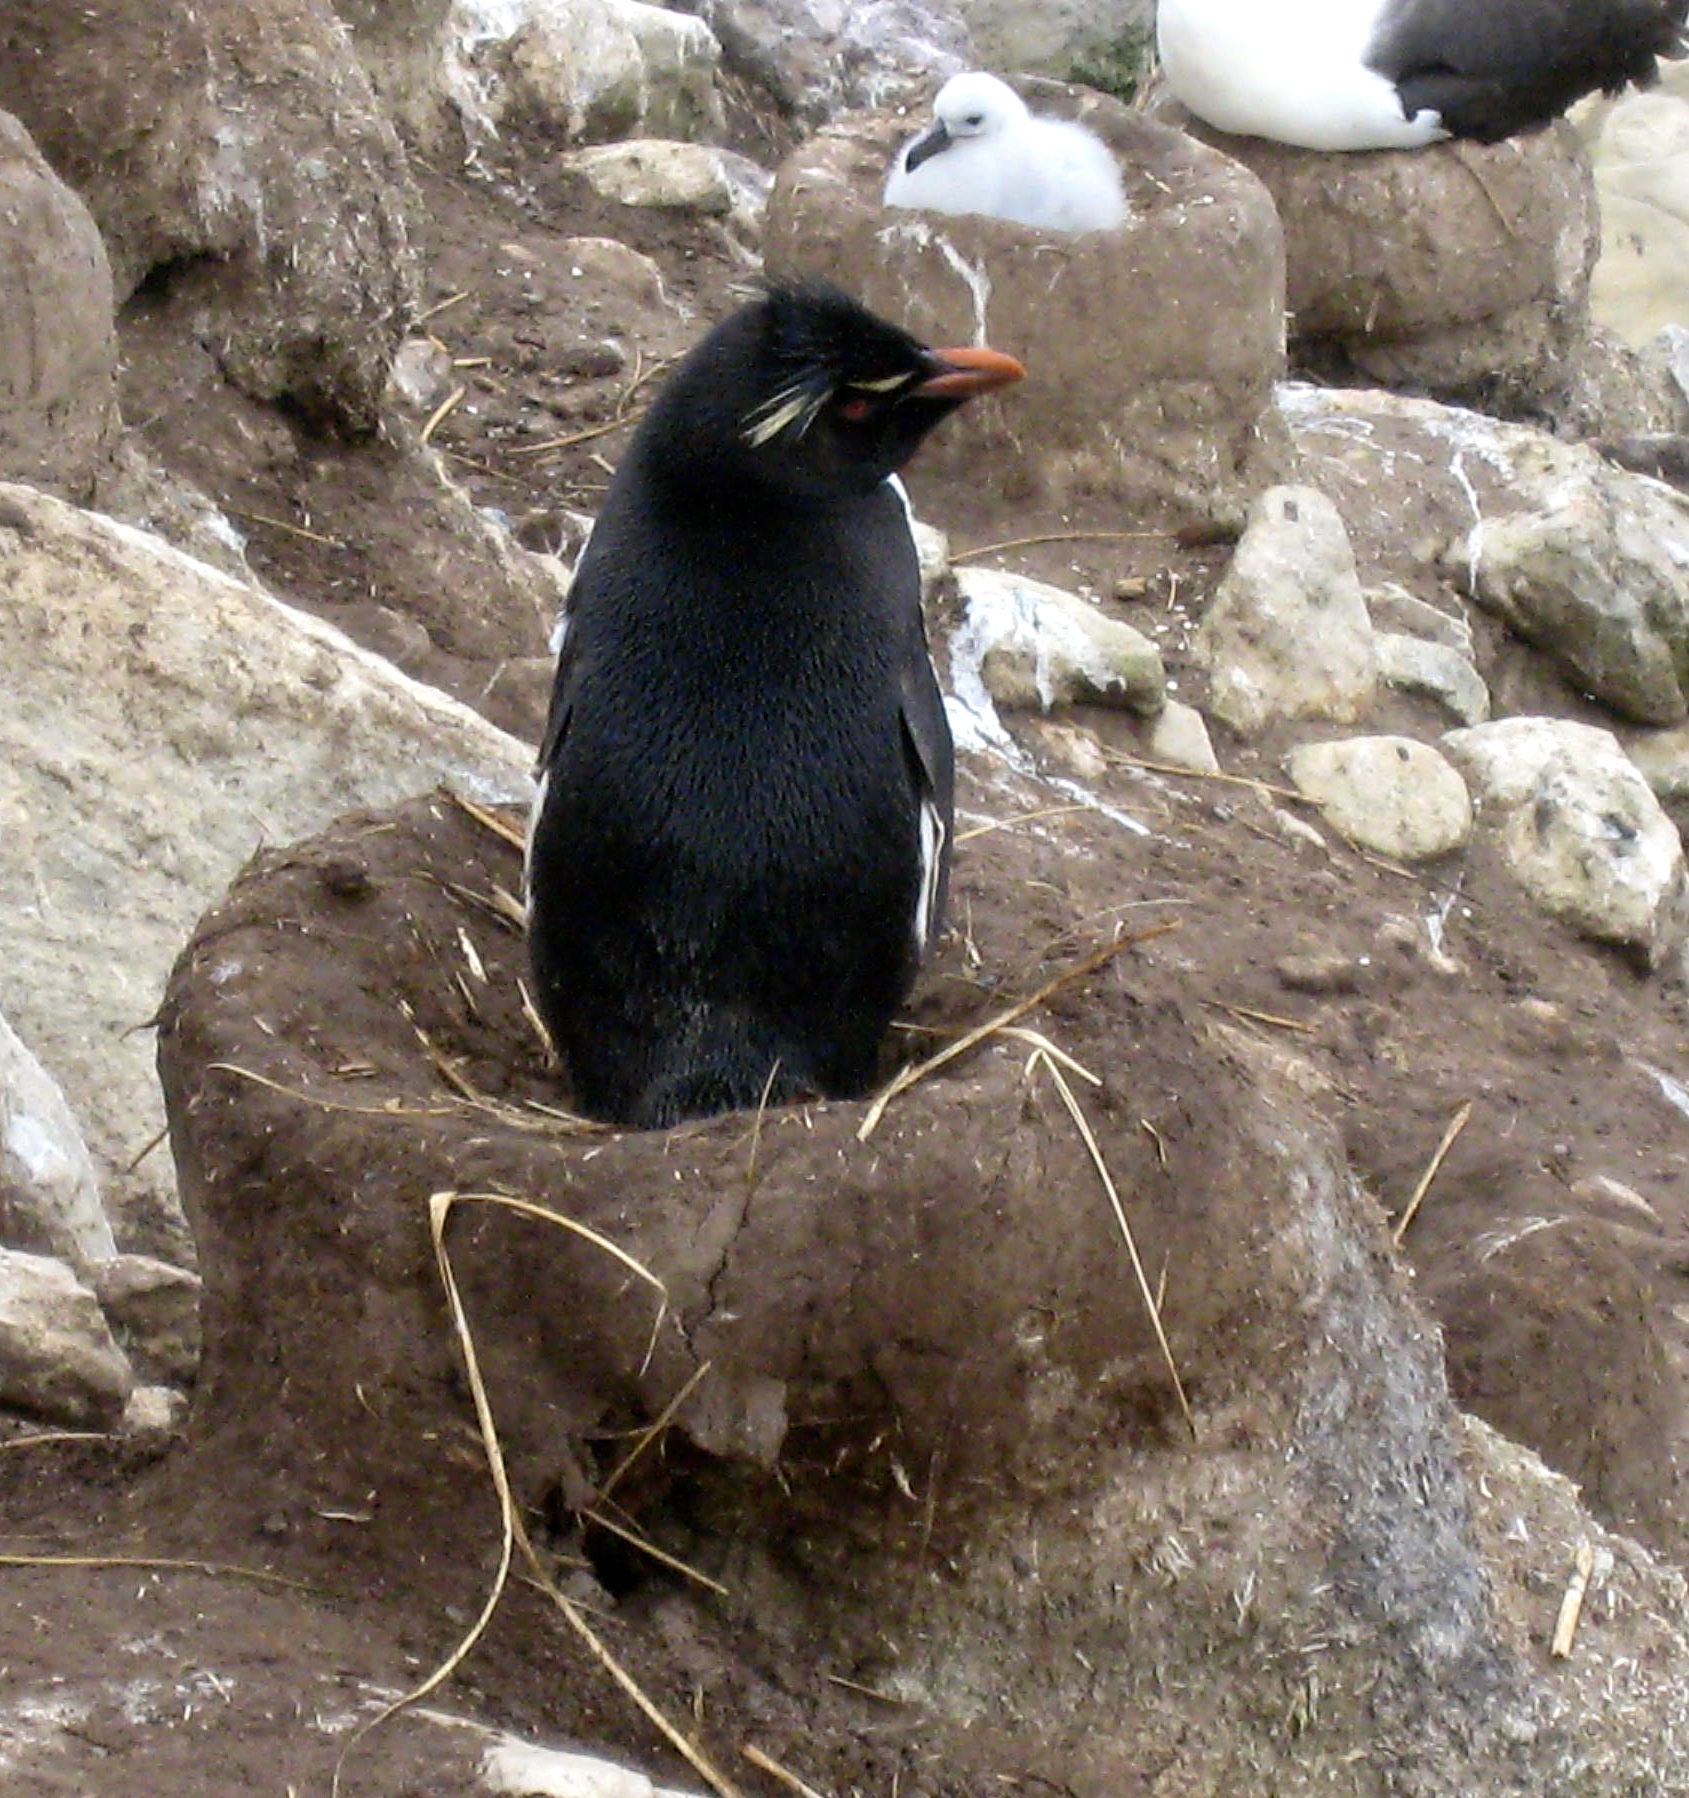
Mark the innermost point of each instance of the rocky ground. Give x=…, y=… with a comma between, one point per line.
x=226, y=1601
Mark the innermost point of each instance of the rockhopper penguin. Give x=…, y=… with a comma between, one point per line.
x=739, y=848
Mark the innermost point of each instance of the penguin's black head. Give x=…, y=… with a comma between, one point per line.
x=807, y=391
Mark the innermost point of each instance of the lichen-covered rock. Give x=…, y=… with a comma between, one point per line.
x=1288, y=634
x=153, y=1307
x=1180, y=737
x=158, y=720
x=818, y=57
x=1596, y=574
x=1580, y=829
x=49, y=1191
x=1587, y=561
x=1662, y=759
x=57, y=1357
x=650, y=171
x=237, y=154
x=58, y=347
x=1416, y=665
x=1059, y=38
x=591, y=70
x=1393, y=795
x=1152, y=348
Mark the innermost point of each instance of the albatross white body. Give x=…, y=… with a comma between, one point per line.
x=1291, y=72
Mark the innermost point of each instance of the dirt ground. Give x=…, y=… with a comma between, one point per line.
x=1553, y=1245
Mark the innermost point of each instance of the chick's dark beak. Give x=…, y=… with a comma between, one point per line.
x=935, y=138
x=961, y=374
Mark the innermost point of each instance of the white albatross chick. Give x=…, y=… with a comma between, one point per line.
x=984, y=152
x=1397, y=74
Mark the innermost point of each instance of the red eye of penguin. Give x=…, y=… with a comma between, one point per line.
x=856, y=410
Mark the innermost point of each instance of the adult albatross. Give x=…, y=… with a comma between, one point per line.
x=1396, y=74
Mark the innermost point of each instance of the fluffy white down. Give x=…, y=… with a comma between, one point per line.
x=1292, y=71
x=1004, y=163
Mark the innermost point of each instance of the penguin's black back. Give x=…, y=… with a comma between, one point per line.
x=726, y=858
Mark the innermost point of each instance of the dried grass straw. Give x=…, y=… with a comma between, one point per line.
x=1456, y=1124
x=1571, y=1605
x=766, y=1763
x=512, y=1532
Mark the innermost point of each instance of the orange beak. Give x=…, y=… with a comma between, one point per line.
x=960, y=374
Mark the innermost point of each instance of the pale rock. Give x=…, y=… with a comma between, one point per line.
x=1296, y=830
x=1580, y=829
x=421, y=375
x=1588, y=562
x=1671, y=346
x=1073, y=751
x=1391, y=607
x=650, y=171
x=1045, y=647
x=1392, y=795
x=1417, y=665
x=1597, y=576
x=154, y=1411
x=49, y=1191
x=517, y=1769
x=1503, y=760
x=1288, y=635
x=1179, y=736
x=822, y=57
x=153, y=1307
x=57, y=1357
x=1662, y=758
x=600, y=69
x=587, y=70
x=1054, y=38
x=161, y=721
x=1639, y=149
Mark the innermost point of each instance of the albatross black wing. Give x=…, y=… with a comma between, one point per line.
x=1493, y=68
